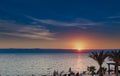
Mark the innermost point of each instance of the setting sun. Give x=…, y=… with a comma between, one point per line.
x=78, y=45
x=78, y=49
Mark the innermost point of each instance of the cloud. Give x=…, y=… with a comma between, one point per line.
x=10, y=28
x=113, y=17
x=81, y=23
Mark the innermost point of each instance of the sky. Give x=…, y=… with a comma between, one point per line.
x=60, y=24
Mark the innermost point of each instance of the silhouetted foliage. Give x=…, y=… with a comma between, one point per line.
x=115, y=56
x=91, y=69
x=99, y=57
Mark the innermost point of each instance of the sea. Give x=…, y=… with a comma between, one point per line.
x=26, y=64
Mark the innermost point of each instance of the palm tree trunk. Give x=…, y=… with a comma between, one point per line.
x=116, y=70
x=100, y=71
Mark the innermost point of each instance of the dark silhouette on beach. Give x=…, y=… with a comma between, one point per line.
x=99, y=57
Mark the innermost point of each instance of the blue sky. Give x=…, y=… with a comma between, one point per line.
x=59, y=21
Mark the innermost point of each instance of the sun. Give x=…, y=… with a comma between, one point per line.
x=78, y=46
x=79, y=49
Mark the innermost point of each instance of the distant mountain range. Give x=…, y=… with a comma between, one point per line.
x=50, y=50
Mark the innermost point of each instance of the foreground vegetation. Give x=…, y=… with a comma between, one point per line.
x=99, y=57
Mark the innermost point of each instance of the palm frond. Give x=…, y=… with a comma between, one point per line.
x=98, y=56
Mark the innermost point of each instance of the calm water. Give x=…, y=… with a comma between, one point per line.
x=14, y=64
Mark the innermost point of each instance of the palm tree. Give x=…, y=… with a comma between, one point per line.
x=91, y=69
x=99, y=57
x=104, y=70
x=115, y=56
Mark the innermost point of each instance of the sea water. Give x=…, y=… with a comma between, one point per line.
x=44, y=64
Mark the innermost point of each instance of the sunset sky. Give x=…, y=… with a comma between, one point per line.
x=61, y=24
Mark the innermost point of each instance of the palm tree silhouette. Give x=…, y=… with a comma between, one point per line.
x=115, y=56
x=91, y=69
x=99, y=57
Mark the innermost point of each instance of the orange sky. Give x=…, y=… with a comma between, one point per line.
x=65, y=43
